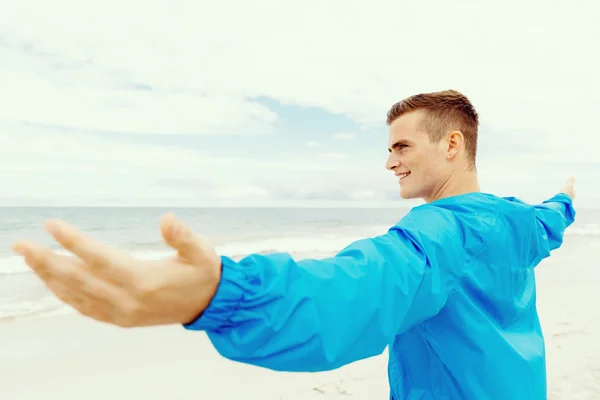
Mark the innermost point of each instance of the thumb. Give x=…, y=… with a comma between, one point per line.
x=569, y=187
x=195, y=249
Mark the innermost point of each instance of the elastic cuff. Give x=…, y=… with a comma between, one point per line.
x=226, y=301
x=562, y=196
x=567, y=201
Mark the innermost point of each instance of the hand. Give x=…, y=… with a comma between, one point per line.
x=108, y=285
x=569, y=188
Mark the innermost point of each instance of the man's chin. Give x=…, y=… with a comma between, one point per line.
x=406, y=195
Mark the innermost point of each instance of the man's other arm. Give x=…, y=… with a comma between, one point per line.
x=553, y=217
x=316, y=315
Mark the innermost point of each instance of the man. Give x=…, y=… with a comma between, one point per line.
x=450, y=288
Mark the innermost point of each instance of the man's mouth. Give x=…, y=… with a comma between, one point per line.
x=402, y=176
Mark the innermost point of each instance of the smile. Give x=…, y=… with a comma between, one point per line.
x=402, y=176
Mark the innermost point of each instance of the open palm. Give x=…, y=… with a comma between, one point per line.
x=110, y=286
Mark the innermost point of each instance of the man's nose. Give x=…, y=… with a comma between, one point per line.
x=391, y=163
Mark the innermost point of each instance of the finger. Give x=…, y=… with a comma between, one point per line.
x=37, y=257
x=571, y=180
x=77, y=243
x=67, y=278
x=103, y=260
x=68, y=270
x=51, y=266
x=177, y=235
x=190, y=246
x=81, y=303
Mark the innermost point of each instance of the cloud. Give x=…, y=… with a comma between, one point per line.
x=334, y=156
x=343, y=65
x=87, y=96
x=343, y=136
x=75, y=168
x=236, y=191
x=175, y=67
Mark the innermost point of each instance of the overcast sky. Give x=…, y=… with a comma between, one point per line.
x=251, y=103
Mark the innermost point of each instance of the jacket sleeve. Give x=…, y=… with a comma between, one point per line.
x=317, y=315
x=553, y=217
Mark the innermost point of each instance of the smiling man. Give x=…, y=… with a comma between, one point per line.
x=427, y=132
x=450, y=288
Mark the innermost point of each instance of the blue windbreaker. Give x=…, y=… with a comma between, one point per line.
x=450, y=289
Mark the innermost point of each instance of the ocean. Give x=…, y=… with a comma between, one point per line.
x=304, y=232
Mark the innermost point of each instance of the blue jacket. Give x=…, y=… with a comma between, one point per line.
x=450, y=289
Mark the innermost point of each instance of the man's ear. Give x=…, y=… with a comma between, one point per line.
x=455, y=140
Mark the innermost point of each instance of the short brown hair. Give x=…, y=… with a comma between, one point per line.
x=445, y=111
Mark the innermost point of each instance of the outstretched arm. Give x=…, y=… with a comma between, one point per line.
x=553, y=217
x=315, y=315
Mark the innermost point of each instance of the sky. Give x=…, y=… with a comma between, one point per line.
x=263, y=103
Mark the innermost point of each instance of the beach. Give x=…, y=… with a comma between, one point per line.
x=71, y=357
x=61, y=355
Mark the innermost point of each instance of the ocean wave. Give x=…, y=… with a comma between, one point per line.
x=306, y=245
x=586, y=230
x=299, y=245
x=46, y=306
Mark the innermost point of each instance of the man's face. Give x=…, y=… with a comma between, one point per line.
x=421, y=166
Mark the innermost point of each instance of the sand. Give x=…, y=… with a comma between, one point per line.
x=71, y=357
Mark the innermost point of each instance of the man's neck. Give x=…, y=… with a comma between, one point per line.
x=455, y=185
